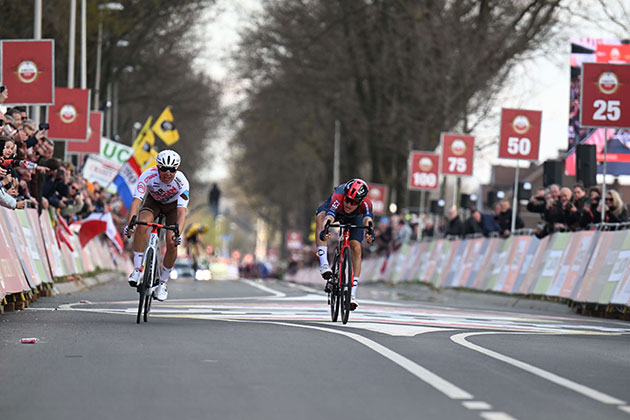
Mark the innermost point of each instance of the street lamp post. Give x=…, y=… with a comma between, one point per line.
x=111, y=6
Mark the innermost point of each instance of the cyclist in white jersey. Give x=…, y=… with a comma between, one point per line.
x=164, y=190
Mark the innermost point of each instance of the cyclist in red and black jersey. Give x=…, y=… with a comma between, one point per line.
x=347, y=204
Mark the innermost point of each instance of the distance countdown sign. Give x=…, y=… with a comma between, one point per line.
x=605, y=95
x=424, y=171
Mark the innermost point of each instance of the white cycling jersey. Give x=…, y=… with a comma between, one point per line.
x=176, y=190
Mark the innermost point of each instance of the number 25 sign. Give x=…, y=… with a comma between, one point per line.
x=605, y=94
x=520, y=134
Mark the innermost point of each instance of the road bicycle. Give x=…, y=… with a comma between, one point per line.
x=340, y=294
x=150, y=265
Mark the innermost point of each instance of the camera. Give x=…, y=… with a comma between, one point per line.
x=44, y=126
x=3, y=88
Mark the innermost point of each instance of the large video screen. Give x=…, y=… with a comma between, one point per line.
x=589, y=50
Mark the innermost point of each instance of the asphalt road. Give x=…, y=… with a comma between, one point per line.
x=268, y=350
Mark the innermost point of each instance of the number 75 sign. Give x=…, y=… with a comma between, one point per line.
x=457, y=154
x=520, y=134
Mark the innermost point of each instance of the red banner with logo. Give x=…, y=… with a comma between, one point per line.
x=95, y=132
x=424, y=171
x=520, y=134
x=378, y=196
x=605, y=95
x=458, y=153
x=69, y=116
x=28, y=71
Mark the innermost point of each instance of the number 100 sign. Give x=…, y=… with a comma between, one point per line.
x=424, y=171
x=520, y=134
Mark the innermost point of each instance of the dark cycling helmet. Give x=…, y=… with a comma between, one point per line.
x=355, y=190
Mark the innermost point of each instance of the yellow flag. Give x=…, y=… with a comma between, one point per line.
x=140, y=137
x=143, y=149
x=165, y=129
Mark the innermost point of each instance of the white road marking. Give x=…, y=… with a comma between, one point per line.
x=552, y=377
x=496, y=415
x=445, y=387
x=477, y=405
x=396, y=330
x=624, y=408
x=264, y=288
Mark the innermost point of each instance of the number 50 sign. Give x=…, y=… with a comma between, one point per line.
x=520, y=134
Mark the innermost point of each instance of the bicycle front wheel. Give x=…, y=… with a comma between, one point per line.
x=147, y=281
x=335, y=299
x=346, y=285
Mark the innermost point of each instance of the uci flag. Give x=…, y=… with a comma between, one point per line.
x=165, y=129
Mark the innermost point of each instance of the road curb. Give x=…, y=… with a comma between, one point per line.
x=85, y=283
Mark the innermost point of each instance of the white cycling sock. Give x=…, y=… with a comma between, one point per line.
x=355, y=285
x=322, y=253
x=165, y=274
x=137, y=260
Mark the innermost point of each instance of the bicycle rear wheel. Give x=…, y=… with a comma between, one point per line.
x=335, y=300
x=346, y=285
x=147, y=283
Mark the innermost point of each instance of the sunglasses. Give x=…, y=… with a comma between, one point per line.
x=350, y=201
x=163, y=169
x=609, y=199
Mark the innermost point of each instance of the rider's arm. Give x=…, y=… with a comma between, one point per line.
x=134, y=208
x=181, y=218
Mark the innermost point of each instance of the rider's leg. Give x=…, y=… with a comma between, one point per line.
x=169, y=257
x=322, y=246
x=355, y=250
x=140, y=237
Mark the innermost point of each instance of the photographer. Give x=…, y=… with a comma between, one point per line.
x=74, y=200
x=56, y=189
x=9, y=192
x=591, y=213
x=570, y=217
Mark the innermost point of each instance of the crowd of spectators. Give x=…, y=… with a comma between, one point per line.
x=30, y=176
x=566, y=209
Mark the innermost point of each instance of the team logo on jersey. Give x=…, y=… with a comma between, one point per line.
x=142, y=188
x=184, y=195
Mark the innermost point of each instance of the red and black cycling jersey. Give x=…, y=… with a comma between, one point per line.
x=335, y=205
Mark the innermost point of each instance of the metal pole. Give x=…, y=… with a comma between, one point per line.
x=97, y=78
x=515, y=196
x=422, y=197
x=108, y=120
x=71, y=42
x=83, y=46
x=337, y=152
x=115, y=110
x=603, y=204
x=37, y=34
x=455, y=193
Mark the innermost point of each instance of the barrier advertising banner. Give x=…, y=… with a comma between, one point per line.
x=28, y=71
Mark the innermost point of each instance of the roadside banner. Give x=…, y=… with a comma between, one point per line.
x=378, y=196
x=98, y=169
x=511, y=269
x=28, y=71
x=12, y=278
x=21, y=246
x=53, y=251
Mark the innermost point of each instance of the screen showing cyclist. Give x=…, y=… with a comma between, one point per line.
x=347, y=204
x=160, y=189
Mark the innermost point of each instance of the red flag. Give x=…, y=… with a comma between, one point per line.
x=69, y=116
x=90, y=229
x=28, y=71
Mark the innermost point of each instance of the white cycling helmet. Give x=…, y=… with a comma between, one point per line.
x=168, y=159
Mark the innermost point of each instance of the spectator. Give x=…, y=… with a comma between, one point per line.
x=591, y=213
x=567, y=217
x=473, y=225
x=579, y=196
x=615, y=209
x=504, y=219
x=403, y=234
x=455, y=227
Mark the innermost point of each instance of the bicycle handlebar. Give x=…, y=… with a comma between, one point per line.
x=324, y=232
x=173, y=228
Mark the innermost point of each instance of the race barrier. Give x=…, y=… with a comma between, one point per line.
x=37, y=249
x=588, y=269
